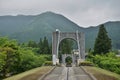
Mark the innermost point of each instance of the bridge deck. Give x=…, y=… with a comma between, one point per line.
x=67, y=73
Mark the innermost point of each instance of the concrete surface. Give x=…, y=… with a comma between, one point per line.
x=67, y=73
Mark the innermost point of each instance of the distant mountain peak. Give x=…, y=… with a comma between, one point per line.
x=48, y=13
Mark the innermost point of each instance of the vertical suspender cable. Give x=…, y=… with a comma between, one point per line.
x=58, y=42
x=78, y=44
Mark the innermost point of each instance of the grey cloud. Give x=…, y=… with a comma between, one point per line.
x=82, y=12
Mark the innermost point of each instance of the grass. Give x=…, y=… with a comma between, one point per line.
x=102, y=74
x=32, y=74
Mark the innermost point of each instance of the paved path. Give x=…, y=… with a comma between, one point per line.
x=67, y=73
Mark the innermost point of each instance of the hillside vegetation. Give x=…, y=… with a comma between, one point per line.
x=25, y=28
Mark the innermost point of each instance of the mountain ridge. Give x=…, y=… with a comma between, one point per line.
x=25, y=28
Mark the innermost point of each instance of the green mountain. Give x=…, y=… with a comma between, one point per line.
x=43, y=25
x=25, y=28
x=12, y=24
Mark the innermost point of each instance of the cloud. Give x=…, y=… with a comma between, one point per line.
x=82, y=12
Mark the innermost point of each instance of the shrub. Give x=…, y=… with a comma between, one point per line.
x=48, y=63
x=85, y=63
x=109, y=62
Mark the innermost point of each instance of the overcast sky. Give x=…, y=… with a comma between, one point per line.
x=83, y=12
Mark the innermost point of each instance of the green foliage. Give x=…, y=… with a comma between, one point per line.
x=48, y=63
x=68, y=60
x=44, y=47
x=86, y=63
x=2, y=61
x=66, y=46
x=32, y=44
x=3, y=40
x=9, y=56
x=40, y=46
x=103, y=42
x=15, y=58
x=109, y=62
x=31, y=60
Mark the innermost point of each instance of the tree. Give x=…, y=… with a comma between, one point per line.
x=9, y=56
x=40, y=46
x=32, y=44
x=103, y=42
x=66, y=46
x=46, y=46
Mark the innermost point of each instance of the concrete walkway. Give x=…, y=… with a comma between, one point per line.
x=67, y=73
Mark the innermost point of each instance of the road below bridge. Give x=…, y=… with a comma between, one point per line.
x=67, y=73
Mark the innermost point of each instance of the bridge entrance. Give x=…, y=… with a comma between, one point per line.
x=59, y=36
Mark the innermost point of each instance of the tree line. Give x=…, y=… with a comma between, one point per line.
x=42, y=47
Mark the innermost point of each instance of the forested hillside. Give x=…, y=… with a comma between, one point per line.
x=26, y=28
x=11, y=24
